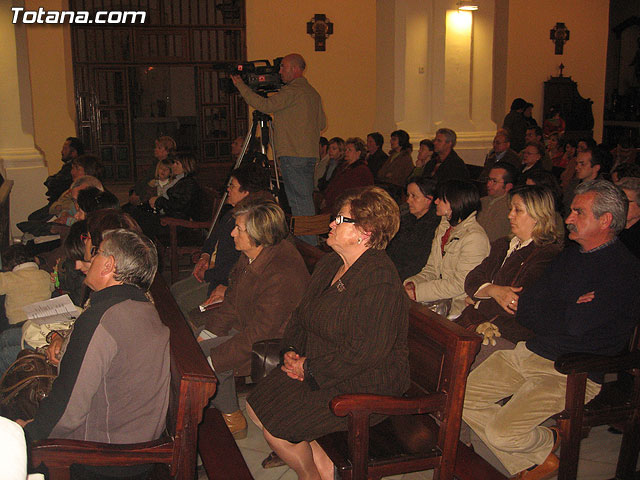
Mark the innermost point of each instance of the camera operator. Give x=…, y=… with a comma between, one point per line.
x=298, y=118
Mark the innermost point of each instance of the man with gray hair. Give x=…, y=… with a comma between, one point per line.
x=113, y=382
x=585, y=302
x=445, y=164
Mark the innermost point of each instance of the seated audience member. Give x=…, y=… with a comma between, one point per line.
x=92, y=199
x=353, y=172
x=554, y=150
x=528, y=115
x=630, y=236
x=501, y=152
x=424, y=155
x=516, y=124
x=129, y=404
x=459, y=245
x=625, y=170
x=399, y=164
x=58, y=183
x=336, y=156
x=375, y=155
x=624, y=152
x=210, y=276
x=265, y=286
x=532, y=158
x=322, y=163
x=534, y=135
x=583, y=145
x=586, y=301
x=21, y=283
x=497, y=203
x=409, y=249
x=84, y=165
x=514, y=264
x=165, y=149
x=446, y=164
x=590, y=165
x=549, y=181
x=183, y=200
x=68, y=278
x=348, y=335
x=570, y=151
x=162, y=181
x=553, y=123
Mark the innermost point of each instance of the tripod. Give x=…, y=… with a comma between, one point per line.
x=266, y=139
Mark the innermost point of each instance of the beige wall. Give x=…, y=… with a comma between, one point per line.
x=50, y=65
x=531, y=59
x=344, y=75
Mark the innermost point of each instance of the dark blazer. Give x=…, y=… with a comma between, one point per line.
x=184, y=199
x=452, y=167
x=409, y=250
x=396, y=169
x=375, y=161
x=521, y=269
x=510, y=156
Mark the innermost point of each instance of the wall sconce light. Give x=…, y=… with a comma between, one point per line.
x=467, y=6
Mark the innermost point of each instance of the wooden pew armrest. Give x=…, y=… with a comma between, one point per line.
x=57, y=452
x=178, y=222
x=367, y=404
x=574, y=363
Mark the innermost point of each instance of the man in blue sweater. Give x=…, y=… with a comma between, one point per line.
x=585, y=302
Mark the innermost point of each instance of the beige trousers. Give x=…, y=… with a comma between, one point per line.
x=513, y=431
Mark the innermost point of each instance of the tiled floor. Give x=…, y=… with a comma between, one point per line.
x=598, y=456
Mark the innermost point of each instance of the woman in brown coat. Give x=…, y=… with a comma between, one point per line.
x=514, y=263
x=264, y=287
x=348, y=335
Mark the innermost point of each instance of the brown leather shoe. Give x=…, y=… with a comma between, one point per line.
x=546, y=469
x=237, y=424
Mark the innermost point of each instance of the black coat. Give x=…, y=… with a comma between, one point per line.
x=184, y=200
x=453, y=167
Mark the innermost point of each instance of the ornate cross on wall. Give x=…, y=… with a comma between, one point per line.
x=320, y=27
x=559, y=34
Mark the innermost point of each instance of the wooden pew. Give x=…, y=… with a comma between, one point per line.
x=440, y=354
x=192, y=385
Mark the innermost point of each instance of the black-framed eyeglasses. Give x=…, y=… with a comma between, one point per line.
x=342, y=219
x=95, y=251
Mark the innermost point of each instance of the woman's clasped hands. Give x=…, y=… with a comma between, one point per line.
x=293, y=365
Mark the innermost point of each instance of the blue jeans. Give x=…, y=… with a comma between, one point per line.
x=297, y=174
x=10, y=341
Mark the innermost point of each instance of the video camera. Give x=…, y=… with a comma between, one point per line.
x=259, y=75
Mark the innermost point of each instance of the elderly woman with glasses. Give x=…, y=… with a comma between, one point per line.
x=265, y=286
x=348, y=335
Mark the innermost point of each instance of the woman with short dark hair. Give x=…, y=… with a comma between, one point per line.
x=409, y=250
x=399, y=164
x=459, y=245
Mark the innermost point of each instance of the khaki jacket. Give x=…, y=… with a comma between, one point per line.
x=443, y=276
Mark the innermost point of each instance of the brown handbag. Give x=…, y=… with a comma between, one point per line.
x=25, y=384
x=265, y=356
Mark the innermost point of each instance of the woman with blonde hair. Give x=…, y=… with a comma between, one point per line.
x=515, y=263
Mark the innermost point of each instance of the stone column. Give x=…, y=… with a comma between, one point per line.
x=442, y=72
x=20, y=161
